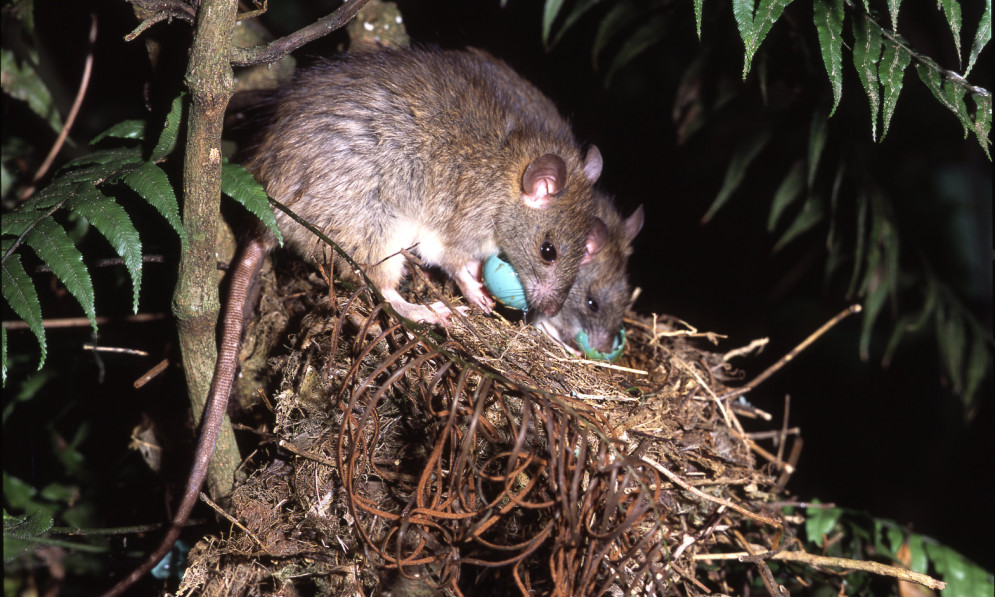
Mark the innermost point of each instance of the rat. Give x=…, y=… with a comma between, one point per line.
x=601, y=295
x=448, y=153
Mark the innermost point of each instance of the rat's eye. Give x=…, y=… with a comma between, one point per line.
x=592, y=305
x=548, y=252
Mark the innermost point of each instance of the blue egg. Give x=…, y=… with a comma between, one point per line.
x=502, y=281
x=618, y=344
x=174, y=563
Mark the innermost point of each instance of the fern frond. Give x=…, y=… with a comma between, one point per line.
x=126, y=129
x=743, y=156
x=113, y=223
x=152, y=184
x=237, y=183
x=867, y=48
x=981, y=37
x=51, y=243
x=829, y=25
x=20, y=294
x=170, y=131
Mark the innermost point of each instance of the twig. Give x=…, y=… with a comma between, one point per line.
x=814, y=560
x=279, y=48
x=217, y=508
x=115, y=349
x=723, y=502
x=151, y=373
x=71, y=117
x=77, y=322
x=794, y=352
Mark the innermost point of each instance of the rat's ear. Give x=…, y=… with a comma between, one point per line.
x=593, y=164
x=596, y=240
x=542, y=180
x=633, y=224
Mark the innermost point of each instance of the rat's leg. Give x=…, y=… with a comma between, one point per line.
x=387, y=276
x=469, y=279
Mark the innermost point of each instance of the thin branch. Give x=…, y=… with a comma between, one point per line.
x=814, y=560
x=279, y=48
x=73, y=112
x=794, y=352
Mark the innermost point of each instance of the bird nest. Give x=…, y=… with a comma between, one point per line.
x=484, y=459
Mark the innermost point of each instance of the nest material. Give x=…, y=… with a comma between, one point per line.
x=484, y=459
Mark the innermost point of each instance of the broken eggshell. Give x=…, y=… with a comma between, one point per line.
x=618, y=345
x=502, y=281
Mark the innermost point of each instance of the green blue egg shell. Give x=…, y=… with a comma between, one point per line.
x=618, y=344
x=502, y=281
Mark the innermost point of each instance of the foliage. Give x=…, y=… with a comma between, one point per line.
x=819, y=189
x=78, y=190
x=838, y=532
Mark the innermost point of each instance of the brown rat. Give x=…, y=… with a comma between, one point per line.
x=449, y=153
x=601, y=295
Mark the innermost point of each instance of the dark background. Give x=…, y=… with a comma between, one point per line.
x=893, y=442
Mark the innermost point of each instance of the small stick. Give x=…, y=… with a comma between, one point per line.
x=814, y=560
x=723, y=502
x=115, y=349
x=71, y=117
x=151, y=373
x=794, y=352
x=78, y=322
x=231, y=519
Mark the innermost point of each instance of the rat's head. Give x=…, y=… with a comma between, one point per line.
x=552, y=229
x=601, y=295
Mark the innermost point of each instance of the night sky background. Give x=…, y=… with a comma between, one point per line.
x=893, y=442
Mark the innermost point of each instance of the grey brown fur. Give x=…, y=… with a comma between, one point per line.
x=602, y=294
x=452, y=144
x=428, y=148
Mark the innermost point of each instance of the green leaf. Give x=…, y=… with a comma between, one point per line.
x=951, y=340
x=947, y=92
x=698, y=5
x=829, y=24
x=20, y=294
x=617, y=19
x=237, y=183
x=753, y=28
x=817, y=133
x=977, y=369
x=114, y=157
x=152, y=184
x=819, y=522
x=571, y=19
x=20, y=81
x=866, y=56
x=951, y=10
x=834, y=195
x=170, y=130
x=28, y=526
x=3, y=355
x=126, y=129
x=742, y=157
x=810, y=215
x=549, y=13
x=982, y=120
x=789, y=189
x=645, y=36
x=891, y=70
x=18, y=222
x=893, y=11
x=962, y=576
x=113, y=222
x=51, y=243
x=981, y=37
x=861, y=236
